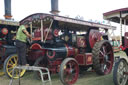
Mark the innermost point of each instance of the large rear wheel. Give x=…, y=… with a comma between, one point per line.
x=9, y=64
x=120, y=72
x=69, y=71
x=103, y=57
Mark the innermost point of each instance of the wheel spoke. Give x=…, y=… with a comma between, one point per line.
x=10, y=65
x=70, y=65
x=16, y=73
x=10, y=71
x=109, y=62
x=11, y=61
x=10, y=68
x=67, y=71
x=15, y=61
x=67, y=78
x=101, y=53
x=108, y=53
x=106, y=69
x=104, y=50
x=102, y=67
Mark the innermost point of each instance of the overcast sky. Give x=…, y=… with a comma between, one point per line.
x=89, y=9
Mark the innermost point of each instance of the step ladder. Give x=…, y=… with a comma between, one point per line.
x=33, y=68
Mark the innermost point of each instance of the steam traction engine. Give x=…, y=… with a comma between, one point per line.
x=66, y=45
x=7, y=33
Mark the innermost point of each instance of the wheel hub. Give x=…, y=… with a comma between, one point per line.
x=13, y=65
x=106, y=58
x=71, y=70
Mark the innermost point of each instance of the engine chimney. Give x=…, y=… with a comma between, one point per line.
x=54, y=7
x=7, y=4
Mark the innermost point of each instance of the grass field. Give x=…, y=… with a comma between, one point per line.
x=88, y=78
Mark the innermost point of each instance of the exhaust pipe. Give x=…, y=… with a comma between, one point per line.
x=7, y=4
x=54, y=7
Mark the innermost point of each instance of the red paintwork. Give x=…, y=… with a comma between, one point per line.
x=2, y=42
x=81, y=42
x=4, y=31
x=54, y=66
x=80, y=59
x=51, y=56
x=71, y=51
x=37, y=38
x=56, y=32
x=34, y=54
x=71, y=72
x=122, y=47
x=36, y=46
x=35, y=51
x=94, y=36
x=126, y=40
x=84, y=59
x=89, y=59
x=50, y=36
x=37, y=34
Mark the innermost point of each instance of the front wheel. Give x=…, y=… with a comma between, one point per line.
x=120, y=72
x=69, y=71
x=9, y=64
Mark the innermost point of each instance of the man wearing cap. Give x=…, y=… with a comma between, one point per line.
x=21, y=39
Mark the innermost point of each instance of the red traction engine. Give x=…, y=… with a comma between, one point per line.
x=3, y=33
x=67, y=46
x=6, y=42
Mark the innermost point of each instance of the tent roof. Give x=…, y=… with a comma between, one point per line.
x=115, y=15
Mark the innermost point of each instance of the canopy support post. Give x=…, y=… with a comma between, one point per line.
x=124, y=25
x=120, y=29
x=42, y=35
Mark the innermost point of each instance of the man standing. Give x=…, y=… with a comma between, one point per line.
x=21, y=39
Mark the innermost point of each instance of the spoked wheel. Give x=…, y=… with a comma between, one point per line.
x=9, y=64
x=120, y=72
x=69, y=71
x=102, y=57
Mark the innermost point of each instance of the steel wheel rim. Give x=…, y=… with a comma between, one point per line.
x=71, y=71
x=106, y=57
x=12, y=62
x=121, y=77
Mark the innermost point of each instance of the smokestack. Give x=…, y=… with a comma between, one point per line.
x=54, y=7
x=7, y=4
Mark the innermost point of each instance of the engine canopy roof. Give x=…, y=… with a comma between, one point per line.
x=69, y=22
